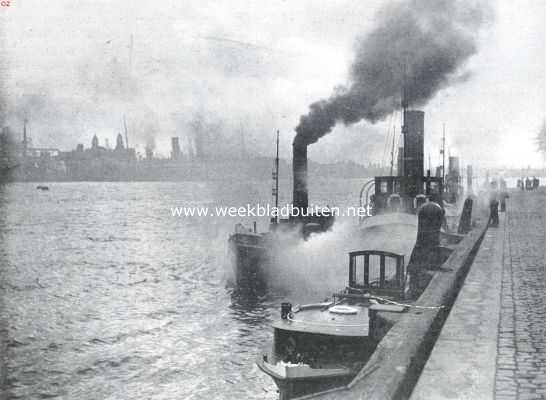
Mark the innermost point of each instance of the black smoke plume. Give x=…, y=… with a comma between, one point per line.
x=418, y=47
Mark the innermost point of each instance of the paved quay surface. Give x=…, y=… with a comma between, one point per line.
x=521, y=361
x=493, y=344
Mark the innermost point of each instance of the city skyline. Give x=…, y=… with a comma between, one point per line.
x=256, y=67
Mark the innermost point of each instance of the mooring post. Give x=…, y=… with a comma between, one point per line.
x=424, y=256
x=494, y=212
x=286, y=309
x=420, y=199
x=465, y=222
x=503, y=195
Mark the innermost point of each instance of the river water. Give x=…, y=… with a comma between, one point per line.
x=106, y=295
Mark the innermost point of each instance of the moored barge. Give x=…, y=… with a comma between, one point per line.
x=324, y=345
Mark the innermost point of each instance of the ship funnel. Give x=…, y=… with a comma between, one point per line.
x=299, y=166
x=414, y=134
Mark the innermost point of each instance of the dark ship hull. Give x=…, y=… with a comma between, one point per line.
x=291, y=387
x=322, y=346
x=253, y=253
x=250, y=256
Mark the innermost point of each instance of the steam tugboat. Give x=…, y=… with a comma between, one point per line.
x=395, y=199
x=252, y=251
x=324, y=345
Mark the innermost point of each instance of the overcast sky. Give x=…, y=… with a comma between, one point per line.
x=75, y=68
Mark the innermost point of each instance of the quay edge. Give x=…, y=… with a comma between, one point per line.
x=394, y=368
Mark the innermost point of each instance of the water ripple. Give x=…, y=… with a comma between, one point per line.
x=105, y=295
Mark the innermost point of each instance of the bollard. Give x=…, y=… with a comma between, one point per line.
x=424, y=256
x=286, y=309
x=394, y=202
x=465, y=222
x=494, y=213
x=503, y=197
x=430, y=219
x=373, y=207
x=420, y=199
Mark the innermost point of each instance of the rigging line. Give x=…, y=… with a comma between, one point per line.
x=393, y=137
x=385, y=144
x=396, y=139
x=406, y=305
x=387, y=141
x=397, y=124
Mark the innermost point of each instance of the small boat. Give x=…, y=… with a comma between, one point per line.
x=324, y=345
x=250, y=251
x=42, y=187
x=253, y=251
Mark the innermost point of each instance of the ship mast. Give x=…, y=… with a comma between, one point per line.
x=444, y=154
x=126, y=137
x=404, y=111
x=392, y=152
x=276, y=182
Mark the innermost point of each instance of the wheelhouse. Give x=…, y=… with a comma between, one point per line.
x=400, y=193
x=378, y=272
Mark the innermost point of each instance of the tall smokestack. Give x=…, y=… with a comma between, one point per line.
x=175, y=148
x=414, y=133
x=25, y=138
x=299, y=169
